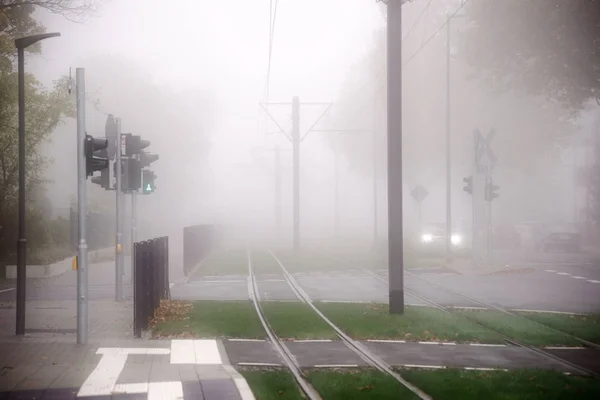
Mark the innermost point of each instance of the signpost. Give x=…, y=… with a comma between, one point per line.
x=484, y=163
x=419, y=194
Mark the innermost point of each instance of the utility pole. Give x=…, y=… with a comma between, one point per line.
x=336, y=194
x=448, y=154
x=394, y=154
x=374, y=161
x=82, y=248
x=296, y=156
x=278, y=189
x=119, y=225
x=296, y=138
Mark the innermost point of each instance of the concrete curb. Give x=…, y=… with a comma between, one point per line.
x=55, y=269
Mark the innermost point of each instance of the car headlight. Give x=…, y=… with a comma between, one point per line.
x=427, y=237
x=456, y=239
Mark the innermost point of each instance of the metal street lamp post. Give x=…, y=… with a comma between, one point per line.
x=21, y=44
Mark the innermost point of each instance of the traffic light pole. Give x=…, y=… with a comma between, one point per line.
x=394, y=154
x=82, y=248
x=278, y=190
x=448, y=155
x=133, y=231
x=119, y=222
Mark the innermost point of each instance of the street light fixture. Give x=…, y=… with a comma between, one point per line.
x=21, y=44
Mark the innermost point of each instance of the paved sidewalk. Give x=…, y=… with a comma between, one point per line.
x=134, y=369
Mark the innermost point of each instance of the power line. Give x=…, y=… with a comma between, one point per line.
x=435, y=33
x=272, y=21
x=417, y=21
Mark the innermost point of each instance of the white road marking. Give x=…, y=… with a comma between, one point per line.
x=165, y=391
x=195, y=352
x=423, y=366
x=577, y=277
x=546, y=311
x=250, y=364
x=207, y=352
x=438, y=343
x=593, y=281
x=103, y=378
x=240, y=383
x=563, y=273
x=313, y=341
x=6, y=290
x=564, y=348
x=246, y=340
x=171, y=285
x=131, y=388
x=182, y=352
x=484, y=369
x=550, y=270
x=385, y=341
x=487, y=345
x=336, y=366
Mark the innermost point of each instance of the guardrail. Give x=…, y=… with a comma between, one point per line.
x=151, y=280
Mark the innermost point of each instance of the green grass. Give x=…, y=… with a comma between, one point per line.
x=358, y=385
x=271, y=385
x=214, y=319
x=500, y=385
x=297, y=321
x=373, y=321
x=583, y=326
x=521, y=329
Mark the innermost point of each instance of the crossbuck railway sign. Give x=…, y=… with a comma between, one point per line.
x=485, y=159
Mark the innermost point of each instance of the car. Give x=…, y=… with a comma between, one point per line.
x=559, y=238
x=433, y=238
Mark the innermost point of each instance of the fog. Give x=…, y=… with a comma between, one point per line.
x=189, y=77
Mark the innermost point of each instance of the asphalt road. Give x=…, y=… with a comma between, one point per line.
x=546, y=286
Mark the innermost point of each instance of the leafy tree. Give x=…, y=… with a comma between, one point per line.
x=45, y=108
x=545, y=47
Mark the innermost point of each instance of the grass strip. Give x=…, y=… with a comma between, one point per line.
x=453, y=384
x=207, y=319
x=521, y=329
x=271, y=385
x=342, y=385
x=296, y=321
x=373, y=321
x=583, y=326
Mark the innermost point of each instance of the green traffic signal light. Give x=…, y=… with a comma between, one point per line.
x=148, y=185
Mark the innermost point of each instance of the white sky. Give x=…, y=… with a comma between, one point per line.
x=224, y=44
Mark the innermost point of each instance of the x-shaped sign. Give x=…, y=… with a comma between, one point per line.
x=484, y=156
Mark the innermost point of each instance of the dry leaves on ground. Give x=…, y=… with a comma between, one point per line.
x=171, y=310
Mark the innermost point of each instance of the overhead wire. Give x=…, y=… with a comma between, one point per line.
x=382, y=69
x=272, y=20
x=423, y=45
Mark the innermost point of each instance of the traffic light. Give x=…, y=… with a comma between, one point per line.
x=134, y=144
x=97, y=162
x=468, y=184
x=147, y=158
x=110, y=131
x=491, y=191
x=103, y=180
x=148, y=178
x=133, y=180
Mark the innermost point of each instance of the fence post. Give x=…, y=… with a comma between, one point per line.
x=147, y=283
x=137, y=281
x=166, y=272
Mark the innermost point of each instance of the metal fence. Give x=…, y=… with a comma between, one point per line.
x=151, y=280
